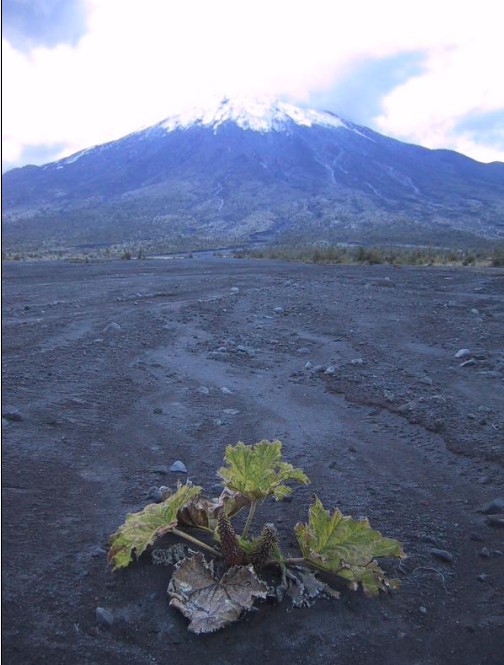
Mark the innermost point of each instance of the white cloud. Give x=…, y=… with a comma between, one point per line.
x=139, y=62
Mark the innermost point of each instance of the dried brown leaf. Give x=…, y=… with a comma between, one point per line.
x=212, y=604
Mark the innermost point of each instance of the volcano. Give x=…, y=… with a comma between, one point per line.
x=238, y=170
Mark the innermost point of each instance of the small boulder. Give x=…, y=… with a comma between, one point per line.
x=178, y=467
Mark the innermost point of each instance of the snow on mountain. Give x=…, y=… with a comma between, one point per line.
x=254, y=114
x=236, y=168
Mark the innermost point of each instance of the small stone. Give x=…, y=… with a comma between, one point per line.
x=389, y=396
x=231, y=412
x=475, y=311
x=245, y=350
x=155, y=494
x=203, y=390
x=357, y=361
x=234, y=290
x=437, y=425
x=226, y=391
x=318, y=369
x=385, y=281
x=303, y=351
x=278, y=310
x=462, y=353
x=308, y=365
x=157, y=410
x=442, y=555
x=423, y=609
x=482, y=577
x=331, y=370
x=495, y=507
x=217, y=355
x=426, y=380
x=13, y=416
x=104, y=617
x=178, y=467
x=476, y=537
x=468, y=363
x=495, y=520
x=97, y=552
x=112, y=328
x=484, y=552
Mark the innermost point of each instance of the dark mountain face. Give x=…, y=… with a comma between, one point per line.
x=229, y=174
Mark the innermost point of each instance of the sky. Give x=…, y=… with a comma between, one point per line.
x=77, y=73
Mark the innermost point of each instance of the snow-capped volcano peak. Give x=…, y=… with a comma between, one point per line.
x=254, y=114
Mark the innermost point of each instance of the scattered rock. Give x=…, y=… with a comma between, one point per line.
x=475, y=311
x=104, y=617
x=389, y=396
x=203, y=390
x=112, y=328
x=231, y=412
x=318, y=369
x=178, y=467
x=331, y=370
x=426, y=380
x=308, y=365
x=495, y=520
x=357, y=361
x=462, y=353
x=234, y=290
x=495, y=507
x=468, y=363
x=245, y=350
x=476, y=537
x=226, y=391
x=13, y=416
x=155, y=494
x=484, y=552
x=482, y=577
x=442, y=555
x=303, y=351
x=279, y=310
x=217, y=355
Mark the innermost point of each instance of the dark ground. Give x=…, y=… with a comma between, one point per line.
x=396, y=429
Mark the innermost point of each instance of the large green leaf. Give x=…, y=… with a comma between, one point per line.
x=258, y=471
x=340, y=544
x=141, y=529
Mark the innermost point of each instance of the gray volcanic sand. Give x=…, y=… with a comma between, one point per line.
x=103, y=366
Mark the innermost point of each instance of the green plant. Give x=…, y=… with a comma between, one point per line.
x=329, y=543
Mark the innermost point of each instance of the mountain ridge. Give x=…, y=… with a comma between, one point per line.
x=236, y=169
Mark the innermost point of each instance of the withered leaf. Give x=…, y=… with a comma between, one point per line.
x=208, y=603
x=200, y=511
x=303, y=588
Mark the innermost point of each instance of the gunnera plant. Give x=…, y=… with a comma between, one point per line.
x=330, y=543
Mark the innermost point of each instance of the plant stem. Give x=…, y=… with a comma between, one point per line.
x=197, y=542
x=250, y=517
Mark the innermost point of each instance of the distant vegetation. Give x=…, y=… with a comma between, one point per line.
x=376, y=255
x=488, y=254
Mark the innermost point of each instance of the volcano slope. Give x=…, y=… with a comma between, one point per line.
x=114, y=370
